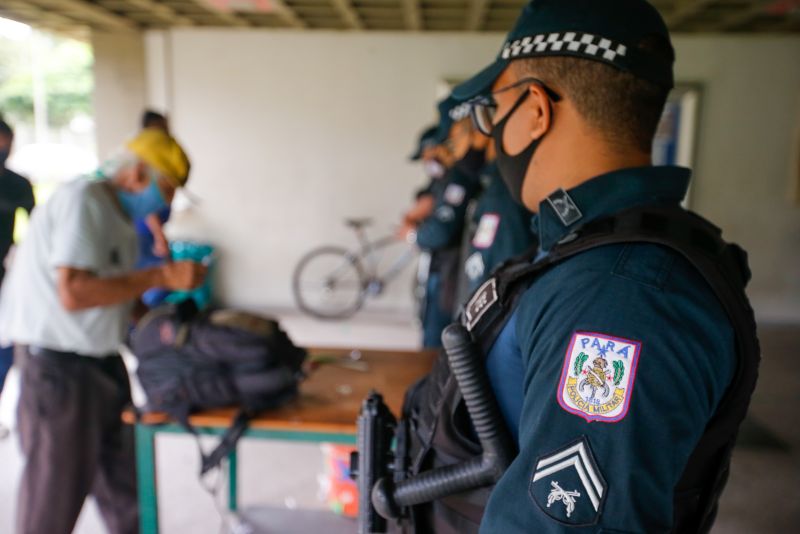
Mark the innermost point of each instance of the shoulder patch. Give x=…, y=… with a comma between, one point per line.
x=598, y=375
x=454, y=194
x=487, y=230
x=480, y=303
x=568, y=486
x=474, y=266
x=445, y=213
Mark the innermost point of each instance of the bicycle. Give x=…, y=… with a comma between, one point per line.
x=332, y=282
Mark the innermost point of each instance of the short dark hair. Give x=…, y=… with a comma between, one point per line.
x=624, y=109
x=5, y=129
x=152, y=118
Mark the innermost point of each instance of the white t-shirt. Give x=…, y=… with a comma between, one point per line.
x=80, y=226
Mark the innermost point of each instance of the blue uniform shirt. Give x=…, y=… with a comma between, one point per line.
x=444, y=228
x=503, y=229
x=607, y=373
x=441, y=235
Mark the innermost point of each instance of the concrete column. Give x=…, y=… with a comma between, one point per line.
x=158, y=56
x=120, y=88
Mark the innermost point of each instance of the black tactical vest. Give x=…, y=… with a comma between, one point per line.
x=438, y=428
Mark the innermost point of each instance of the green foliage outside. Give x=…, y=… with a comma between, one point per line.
x=67, y=74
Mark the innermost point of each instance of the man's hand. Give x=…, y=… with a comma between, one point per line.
x=161, y=248
x=422, y=209
x=407, y=232
x=160, y=242
x=183, y=275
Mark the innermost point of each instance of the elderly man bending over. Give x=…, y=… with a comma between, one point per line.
x=67, y=306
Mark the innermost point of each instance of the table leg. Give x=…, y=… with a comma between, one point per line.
x=233, y=504
x=146, y=476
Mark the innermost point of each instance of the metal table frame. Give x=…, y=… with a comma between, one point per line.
x=146, y=461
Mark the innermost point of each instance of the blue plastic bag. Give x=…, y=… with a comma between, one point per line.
x=200, y=253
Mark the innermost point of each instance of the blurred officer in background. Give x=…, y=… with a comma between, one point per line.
x=440, y=233
x=67, y=305
x=154, y=119
x=502, y=227
x=15, y=193
x=428, y=153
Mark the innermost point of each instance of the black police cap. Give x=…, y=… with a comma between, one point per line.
x=609, y=31
x=451, y=110
x=426, y=139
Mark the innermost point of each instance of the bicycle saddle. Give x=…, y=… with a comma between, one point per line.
x=357, y=223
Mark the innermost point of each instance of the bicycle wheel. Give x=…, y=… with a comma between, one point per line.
x=329, y=283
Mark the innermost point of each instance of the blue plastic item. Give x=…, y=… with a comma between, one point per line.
x=200, y=253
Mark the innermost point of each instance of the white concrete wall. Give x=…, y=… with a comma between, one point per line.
x=291, y=132
x=746, y=150
x=120, y=87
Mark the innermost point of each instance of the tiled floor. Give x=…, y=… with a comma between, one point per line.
x=763, y=495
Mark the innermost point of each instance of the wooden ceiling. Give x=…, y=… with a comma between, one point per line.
x=76, y=17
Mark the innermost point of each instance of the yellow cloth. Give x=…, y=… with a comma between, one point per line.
x=163, y=153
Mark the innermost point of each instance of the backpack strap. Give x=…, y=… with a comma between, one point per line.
x=491, y=305
x=227, y=442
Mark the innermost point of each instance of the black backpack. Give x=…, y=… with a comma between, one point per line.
x=190, y=360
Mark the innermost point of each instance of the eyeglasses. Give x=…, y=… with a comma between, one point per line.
x=484, y=108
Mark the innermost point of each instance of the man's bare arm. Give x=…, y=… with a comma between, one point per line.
x=80, y=289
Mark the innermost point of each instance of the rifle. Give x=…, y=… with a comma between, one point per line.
x=381, y=495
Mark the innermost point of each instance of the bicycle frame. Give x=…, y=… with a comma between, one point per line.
x=374, y=264
x=369, y=253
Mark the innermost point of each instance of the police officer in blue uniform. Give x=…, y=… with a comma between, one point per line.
x=622, y=352
x=502, y=228
x=428, y=140
x=430, y=153
x=462, y=181
x=440, y=234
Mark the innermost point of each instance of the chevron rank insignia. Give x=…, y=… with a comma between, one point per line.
x=568, y=486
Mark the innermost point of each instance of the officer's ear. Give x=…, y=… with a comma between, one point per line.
x=539, y=111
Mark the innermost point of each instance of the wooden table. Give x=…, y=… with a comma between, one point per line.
x=325, y=411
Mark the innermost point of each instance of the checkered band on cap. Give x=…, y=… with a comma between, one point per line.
x=579, y=44
x=459, y=112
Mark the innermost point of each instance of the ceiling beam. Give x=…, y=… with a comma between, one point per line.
x=26, y=13
x=226, y=16
x=40, y=24
x=742, y=16
x=412, y=15
x=287, y=14
x=348, y=14
x=684, y=10
x=35, y=14
x=91, y=14
x=789, y=24
x=163, y=12
x=476, y=16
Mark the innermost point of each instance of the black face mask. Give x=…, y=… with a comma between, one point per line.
x=4, y=156
x=472, y=162
x=513, y=168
